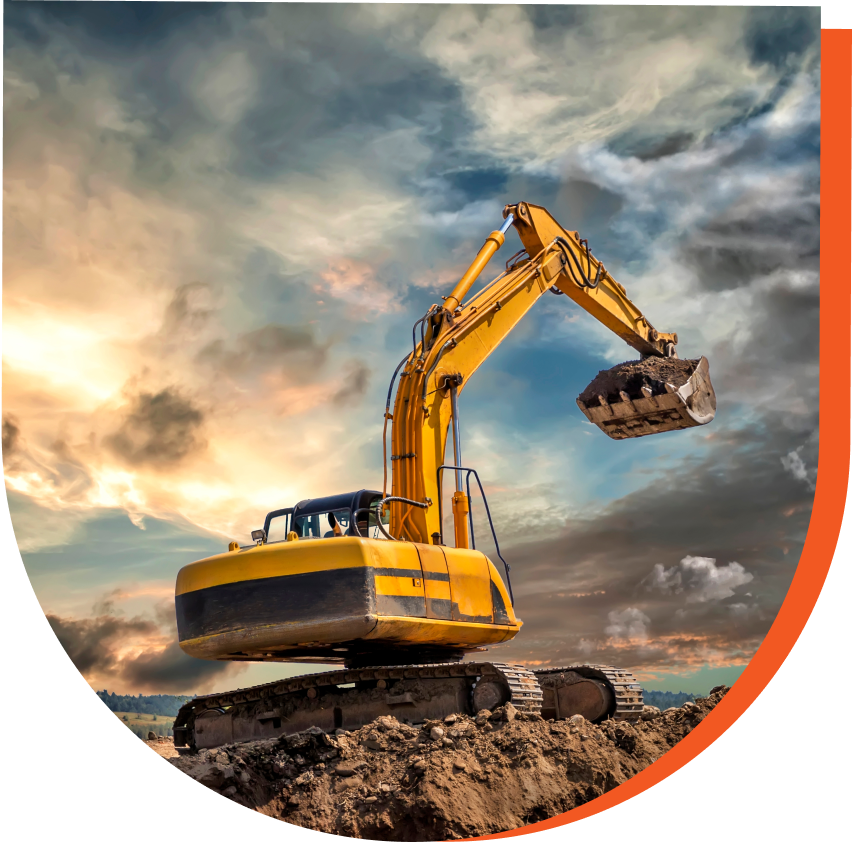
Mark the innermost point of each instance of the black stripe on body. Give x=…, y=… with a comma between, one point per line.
x=400, y=606
x=501, y=614
x=468, y=618
x=399, y=572
x=411, y=574
x=300, y=598
x=439, y=609
x=436, y=577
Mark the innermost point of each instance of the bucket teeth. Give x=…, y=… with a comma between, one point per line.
x=650, y=412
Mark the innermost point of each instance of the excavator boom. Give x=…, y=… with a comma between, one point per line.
x=459, y=335
x=338, y=579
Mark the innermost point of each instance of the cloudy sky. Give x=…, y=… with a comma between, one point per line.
x=220, y=222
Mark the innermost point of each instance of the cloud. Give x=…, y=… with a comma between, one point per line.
x=629, y=624
x=11, y=435
x=355, y=383
x=281, y=347
x=159, y=430
x=794, y=463
x=257, y=246
x=133, y=653
x=698, y=579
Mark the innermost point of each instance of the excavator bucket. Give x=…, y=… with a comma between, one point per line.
x=650, y=396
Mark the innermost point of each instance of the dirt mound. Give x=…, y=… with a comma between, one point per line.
x=461, y=777
x=632, y=376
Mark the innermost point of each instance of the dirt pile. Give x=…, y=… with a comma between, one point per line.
x=460, y=777
x=632, y=376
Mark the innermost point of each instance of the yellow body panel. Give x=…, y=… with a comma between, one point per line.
x=289, y=600
x=448, y=632
x=275, y=559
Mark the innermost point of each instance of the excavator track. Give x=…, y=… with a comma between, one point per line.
x=594, y=690
x=349, y=698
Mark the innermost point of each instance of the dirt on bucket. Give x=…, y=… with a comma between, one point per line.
x=632, y=376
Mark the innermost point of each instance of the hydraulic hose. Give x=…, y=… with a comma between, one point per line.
x=380, y=504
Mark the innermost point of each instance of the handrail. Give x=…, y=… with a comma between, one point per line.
x=470, y=470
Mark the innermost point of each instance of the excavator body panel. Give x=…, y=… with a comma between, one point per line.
x=327, y=600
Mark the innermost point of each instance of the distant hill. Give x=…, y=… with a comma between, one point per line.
x=667, y=699
x=160, y=704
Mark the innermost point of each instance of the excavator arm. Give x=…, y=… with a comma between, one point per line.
x=457, y=337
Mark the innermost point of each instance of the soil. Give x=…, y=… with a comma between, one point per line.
x=631, y=376
x=460, y=777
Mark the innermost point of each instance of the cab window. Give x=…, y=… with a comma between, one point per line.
x=328, y=525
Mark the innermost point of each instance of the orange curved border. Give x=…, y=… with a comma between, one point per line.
x=830, y=496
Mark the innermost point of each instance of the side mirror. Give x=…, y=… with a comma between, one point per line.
x=258, y=536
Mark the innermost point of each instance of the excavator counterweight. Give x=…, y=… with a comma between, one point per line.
x=368, y=580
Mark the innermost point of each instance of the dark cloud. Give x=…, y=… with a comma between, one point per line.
x=682, y=555
x=271, y=346
x=11, y=435
x=126, y=27
x=649, y=149
x=355, y=384
x=186, y=312
x=554, y=19
x=100, y=646
x=92, y=643
x=159, y=430
x=776, y=35
x=755, y=238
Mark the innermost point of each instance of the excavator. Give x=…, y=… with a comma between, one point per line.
x=367, y=580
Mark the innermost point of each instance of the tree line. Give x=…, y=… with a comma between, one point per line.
x=160, y=704
x=667, y=699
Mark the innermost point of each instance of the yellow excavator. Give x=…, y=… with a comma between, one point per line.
x=368, y=580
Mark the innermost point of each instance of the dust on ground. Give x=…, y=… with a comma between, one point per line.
x=463, y=776
x=632, y=376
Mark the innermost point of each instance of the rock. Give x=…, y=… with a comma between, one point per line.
x=577, y=720
x=244, y=777
x=370, y=799
x=447, y=742
x=294, y=800
x=649, y=712
x=510, y=712
x=214, y=775
x=387, y=723
x=482, y=717
x=450, y=719
x=436, y=733
x=344, y=770
x=420, y=767
x=690, y=707
x=152, y=736
x=459, y=764
x=385, y=788
x=718, y=689
x=229, y=791
x=375, y=745
x=304, y=778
